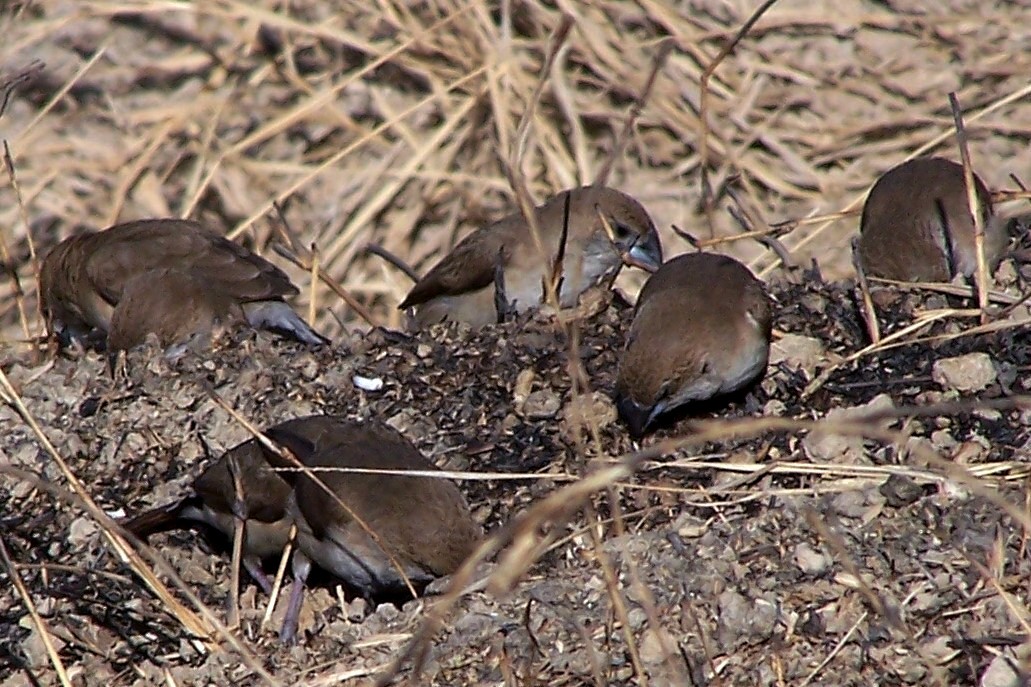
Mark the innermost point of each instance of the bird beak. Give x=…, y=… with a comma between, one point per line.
x=646, y=253
x=636, y=416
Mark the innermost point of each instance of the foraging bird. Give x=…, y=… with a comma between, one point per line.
x=265, y=493
x=85, y=279
x=606, y=227
x=917, y=226
x=701, y=328
x=420, y=525
x=176, y=306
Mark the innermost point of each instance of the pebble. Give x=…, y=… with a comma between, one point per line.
x=541, y=405
x=743, y=620
x=368, y=383
x=81, y=531
x=965, y=373
x=1000, y=673
x=826, y=446
x=799, y=353
x=899, y=491
x=811, y=561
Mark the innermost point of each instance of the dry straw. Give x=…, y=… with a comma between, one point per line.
x=403, y=126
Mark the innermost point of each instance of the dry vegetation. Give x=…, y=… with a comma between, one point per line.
x=749, y=552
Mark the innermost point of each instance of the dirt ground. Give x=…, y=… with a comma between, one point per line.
x=859, y=517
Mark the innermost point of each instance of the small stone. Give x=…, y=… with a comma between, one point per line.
x=690, y=527
x=81, y=531
x=937, y=648
x=522, y=388
x=21, y=489
x=965, y=373
x=541, y=405
x=368, y=383
x=35, y=649
x=811, y=561
x=1001, y=673
x=990, y=414
x=943, y=439
x=828, y=447
x=584, y=411
x=849, y=504
x=798, y=353
x=921, y=451
x=1006, y=273
x=387, y=612
x=412, y=423
x=743, y=620
x=357, y=609
x=812, y=625
x=656, y=646
x=969, y=452
x=911, y=670
x=637, y=618
x=823, y=447
x=899, y=491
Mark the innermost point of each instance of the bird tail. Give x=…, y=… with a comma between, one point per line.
x=279, y=316
x=156, y=520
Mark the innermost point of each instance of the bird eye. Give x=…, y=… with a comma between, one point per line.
x=622, y=231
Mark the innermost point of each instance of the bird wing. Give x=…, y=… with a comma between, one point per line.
x=123, y=252
x=468, y=267
x=265, y=493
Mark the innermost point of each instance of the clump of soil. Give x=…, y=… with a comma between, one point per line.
x=897, y=559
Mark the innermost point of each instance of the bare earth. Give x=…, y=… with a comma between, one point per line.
x=887, y=546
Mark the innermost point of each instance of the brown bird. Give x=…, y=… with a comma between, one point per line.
x=460, y=286
x=176, y=306
x=85, y=278
x=265, y=493
x=421, y=523
x=701, y=328
x=917, y=226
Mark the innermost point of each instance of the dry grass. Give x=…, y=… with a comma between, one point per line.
x=397, y=124
x=390, y=124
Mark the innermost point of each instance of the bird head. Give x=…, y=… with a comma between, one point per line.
x=640, y=399
x=615, y=231
x=629, y=230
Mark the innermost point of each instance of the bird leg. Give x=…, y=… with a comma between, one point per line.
x=252, y=565
x=301, y=569
x=502, y=306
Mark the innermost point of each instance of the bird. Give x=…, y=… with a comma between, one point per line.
x=84, y=279
x=917, y=225
x=422, y=525
x=701, y=328
x=213, y=501
x=177, y=306
x=606, y=227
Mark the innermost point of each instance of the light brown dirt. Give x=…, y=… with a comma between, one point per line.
x=760, y=557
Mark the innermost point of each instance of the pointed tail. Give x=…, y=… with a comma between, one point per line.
x=160, y=519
